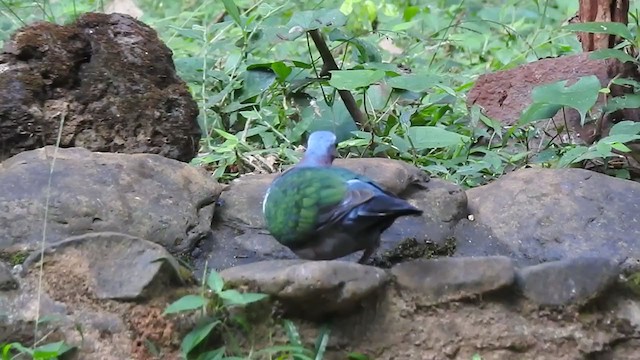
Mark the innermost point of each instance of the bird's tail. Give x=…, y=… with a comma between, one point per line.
x=387, y=205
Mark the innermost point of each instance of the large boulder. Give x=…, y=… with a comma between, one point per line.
x=537, y=215
x=149, y=196
x=107, y=79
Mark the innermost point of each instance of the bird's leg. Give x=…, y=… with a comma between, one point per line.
x=366, y=254
x=374, y=244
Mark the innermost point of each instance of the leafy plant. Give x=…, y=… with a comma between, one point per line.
x=213, y=304
x=43, y=352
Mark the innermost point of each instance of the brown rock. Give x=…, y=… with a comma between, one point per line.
x=505, y=94
x=108, y=78
x=310, y=288
x=446, y=279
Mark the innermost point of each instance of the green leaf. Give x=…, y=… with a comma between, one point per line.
x=357, y=356
x=256, y=82
x=619, y=138
x=323, y=116
x=538, y=111
x=233, y=11
x=629, y=101
x=626, y=82
x=570, y=156
x=367, y=51
x=620, y=147
x=431, y=137
x=234, y=297
x=625, y=127
x=321, y=342
x=613, y=28
x=611, y=54
x=281, y=70
x=581, y=96
x=195, y=337
x=186, y=303
x=6, y=348
x=48, y=351
x=292, y=333
x=22, y=349
x=414, y=82
x=299, y=351
x=217, y=354
x=410, y=12
x=354, y=79
x=215, y=282
x=227, y=136
x=303, y=21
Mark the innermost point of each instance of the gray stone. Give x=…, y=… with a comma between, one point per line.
x=149, y=196
x=7, y=281
x=118, y=266
x=565, y=282
x=537, y=215
x=446, y=279
x=443, y=203
x=310, y=288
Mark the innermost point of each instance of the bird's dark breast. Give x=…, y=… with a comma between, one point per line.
x=332, y=245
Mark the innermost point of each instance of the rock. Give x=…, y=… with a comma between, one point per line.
x=7, y=281
x=393, y=175
x=443, y=203
x=505, y=94
x=539, y=215
x=446, y=279
x=241, y=237
x=148, y=196
x=117, y=266
x=108, y=77
x=64, y=312
x=310, y=288
x=565, y=282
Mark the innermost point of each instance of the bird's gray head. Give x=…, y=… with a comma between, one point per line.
x=321, y=149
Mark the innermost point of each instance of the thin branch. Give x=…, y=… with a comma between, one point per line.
x=328, y=64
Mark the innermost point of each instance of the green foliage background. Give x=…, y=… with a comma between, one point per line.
x=409, y=64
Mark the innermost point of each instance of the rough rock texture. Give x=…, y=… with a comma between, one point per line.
x=117, y=266
x=505, y=94
x=537, y=215
x=310, y=288
x=107, y=77
x=565, y=282
x=494, y=327
x=445, y=279
x=144, y=195
x=69, y=297
x=7, y=281
x=239, y=229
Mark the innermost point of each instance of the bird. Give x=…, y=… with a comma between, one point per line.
x=325, y=212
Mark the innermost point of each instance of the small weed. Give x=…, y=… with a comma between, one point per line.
x=43, y=352
x=217, y=308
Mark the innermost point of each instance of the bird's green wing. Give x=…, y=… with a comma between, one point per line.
x=296, y=202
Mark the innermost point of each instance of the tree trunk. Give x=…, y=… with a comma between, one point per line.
x=601, y=11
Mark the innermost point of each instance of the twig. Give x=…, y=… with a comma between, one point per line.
x=328, y=64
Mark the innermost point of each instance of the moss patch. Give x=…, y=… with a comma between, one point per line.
x=413, y=249
x=14, y=258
